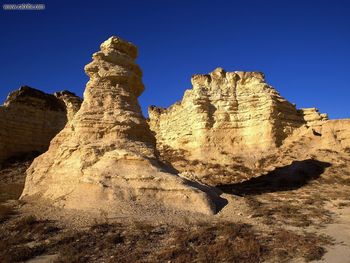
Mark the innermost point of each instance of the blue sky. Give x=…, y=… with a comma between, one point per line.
x=303, y=47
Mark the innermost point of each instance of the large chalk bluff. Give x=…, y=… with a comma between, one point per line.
x=29, y=119
x=234, y=112
x=105, y=158
x=232, y=126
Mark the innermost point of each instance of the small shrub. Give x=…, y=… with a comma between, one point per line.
x=314, y=253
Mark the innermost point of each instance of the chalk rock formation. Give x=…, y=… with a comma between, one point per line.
x=227, y=112
x=105, y=157
x=226, y=125
x=71, y=101
x=312, y=116
x=328, y=141
x=327, y=135
x=29, y=119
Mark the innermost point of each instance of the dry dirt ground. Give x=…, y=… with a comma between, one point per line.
x=297, y=213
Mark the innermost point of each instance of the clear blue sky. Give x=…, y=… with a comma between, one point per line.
x=302, y=46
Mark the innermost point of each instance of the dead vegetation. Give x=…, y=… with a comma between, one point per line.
x=277, y=201
x=209, y=173
x=23, y=238
x=281, y=211
x=296, y=195
x=289, y=244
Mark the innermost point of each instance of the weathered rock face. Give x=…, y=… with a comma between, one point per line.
x=312, y=116
x=327, y=141
x=234, y=112
x=105, y=157
x=327, y=135
x=71, y=101
x=226, y=125
x=29, y=119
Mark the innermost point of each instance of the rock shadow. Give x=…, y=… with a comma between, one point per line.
x=213, y=193
x=289, y=177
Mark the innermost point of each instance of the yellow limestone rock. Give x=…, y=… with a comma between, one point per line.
x=105, y=157
x=227, y=126
x=327, y=135
x=71, y=101
x=234, y=112
x=30, y=118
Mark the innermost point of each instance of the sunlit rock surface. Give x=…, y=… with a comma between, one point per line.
x=105, y=158
x=231, y=126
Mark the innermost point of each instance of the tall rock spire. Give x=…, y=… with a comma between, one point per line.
x=106, y=157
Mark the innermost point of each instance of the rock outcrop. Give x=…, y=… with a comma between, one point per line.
x=71, y=101
x=312, y=116
x=327, y=135
x=227, y=126
x=30, y=118
x=234, y=112
x=105, y=159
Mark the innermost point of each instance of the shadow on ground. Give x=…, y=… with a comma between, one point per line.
x=289, y=177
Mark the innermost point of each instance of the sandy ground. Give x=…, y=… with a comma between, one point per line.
x=340, y=232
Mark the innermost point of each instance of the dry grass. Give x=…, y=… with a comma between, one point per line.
x=139, y=242
x=23, y=238
x=289, y=244
x=226, y=242
x=209, y=173
x=280, y=210
x=296, y=195
x=220, y=243
x=285, y=202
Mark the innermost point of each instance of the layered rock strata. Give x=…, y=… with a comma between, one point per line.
x=105, y=157
x=71, y=101
x=227, y=126
x=29, y=119
x=234, y=112
x=327, y=135
x=312, y=116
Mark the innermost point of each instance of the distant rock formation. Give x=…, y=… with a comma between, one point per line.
x=71, y=101
x=227, y=126
x=30, y=118
x=234, y=112
x=104, y=159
